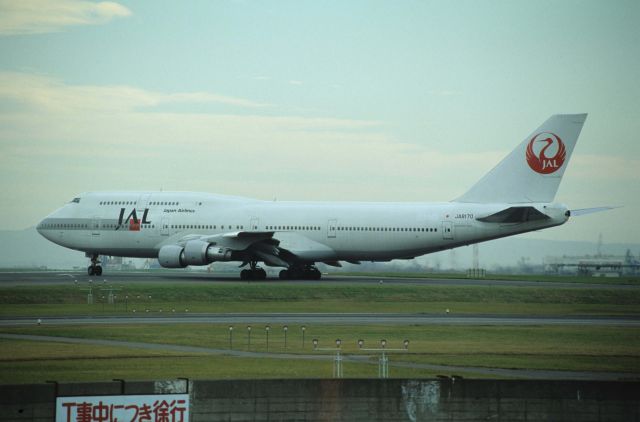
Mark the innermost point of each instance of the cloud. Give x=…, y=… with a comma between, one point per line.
x=51, y=95
x=59, y=139
x=18, y=17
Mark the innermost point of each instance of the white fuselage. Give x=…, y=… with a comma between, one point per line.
x=102, y=223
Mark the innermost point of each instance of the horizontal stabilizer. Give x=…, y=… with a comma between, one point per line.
x=515, y=215
x=585, y=211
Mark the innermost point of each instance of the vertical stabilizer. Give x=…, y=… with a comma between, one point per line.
x=533, y=170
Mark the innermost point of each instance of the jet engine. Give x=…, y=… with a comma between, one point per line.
x=172, y=256
x=195, y=252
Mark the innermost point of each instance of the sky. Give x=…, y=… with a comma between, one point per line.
x=309, y=100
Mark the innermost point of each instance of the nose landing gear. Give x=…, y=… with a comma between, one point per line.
x=95, y=268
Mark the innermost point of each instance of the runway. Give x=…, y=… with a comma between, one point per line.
x=328, y=319
x=22, y=278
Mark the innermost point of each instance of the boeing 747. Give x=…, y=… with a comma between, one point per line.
x=187, y=228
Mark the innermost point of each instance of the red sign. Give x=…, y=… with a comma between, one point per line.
x=546, y=153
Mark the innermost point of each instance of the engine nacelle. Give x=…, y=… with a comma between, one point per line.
x=197, y=252
x=171, y=256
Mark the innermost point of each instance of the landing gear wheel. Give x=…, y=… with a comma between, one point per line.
x=253, y=272
x=94, y=268
x=307, y=272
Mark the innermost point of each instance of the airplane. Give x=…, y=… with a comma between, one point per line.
x=183, y=229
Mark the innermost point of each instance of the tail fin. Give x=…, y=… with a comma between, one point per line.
x=532, y=172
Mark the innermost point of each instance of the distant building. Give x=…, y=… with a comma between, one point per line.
x=593, y=265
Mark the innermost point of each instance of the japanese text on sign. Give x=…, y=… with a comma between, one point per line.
x=151, y=408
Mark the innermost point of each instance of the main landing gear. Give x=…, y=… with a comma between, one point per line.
x=253, y=273
x=306, y=272
x=95, y=268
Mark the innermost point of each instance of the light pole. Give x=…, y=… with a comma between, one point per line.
x=303, y=330
x=267, y=328
x=285, y=328
x=231, y=337
x=337, y=367
x=337, y=360
x=248, y=337
x=383, y=361
x=383, y=367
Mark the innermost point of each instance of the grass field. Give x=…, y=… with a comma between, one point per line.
x=71, y=299
x=33, y=362
x=614, y=349
x=577, y=348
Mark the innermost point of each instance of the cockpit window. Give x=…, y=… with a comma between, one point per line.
x=76, y=200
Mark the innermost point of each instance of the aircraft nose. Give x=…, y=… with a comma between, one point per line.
x=44, y=227
x=40, y=227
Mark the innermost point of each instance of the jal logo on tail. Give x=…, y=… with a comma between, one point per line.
x=546, y=153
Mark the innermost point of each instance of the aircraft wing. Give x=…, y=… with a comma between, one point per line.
x=278, y=249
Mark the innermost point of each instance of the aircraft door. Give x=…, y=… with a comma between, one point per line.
x=164, y=228
x=254, y=224
x=447, y=230
x=142, y=203
x=95, y=227
x=331, y=228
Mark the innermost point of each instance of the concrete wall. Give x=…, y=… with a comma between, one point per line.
x=441, y=399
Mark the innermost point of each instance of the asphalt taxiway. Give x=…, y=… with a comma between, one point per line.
x=328, y=319
x=21, y=278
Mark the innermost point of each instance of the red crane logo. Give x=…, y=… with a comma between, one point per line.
x=541, y=162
